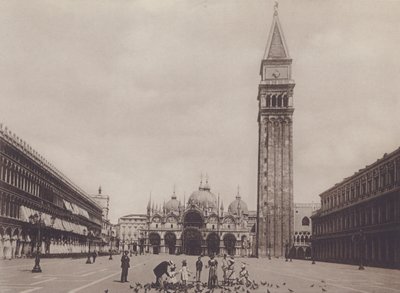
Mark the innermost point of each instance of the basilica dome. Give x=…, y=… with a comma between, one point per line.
x=238, y=205
x=172, y=205
x=203, y=198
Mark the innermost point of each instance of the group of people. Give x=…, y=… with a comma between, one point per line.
x=166, y=273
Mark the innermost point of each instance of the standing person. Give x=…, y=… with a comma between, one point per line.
x=184, y=272
x=212, y=274
x=286, y=251
x=224, y=267
x=94, y=255
x=161, y=269
x=125, y=266
x=199, y=267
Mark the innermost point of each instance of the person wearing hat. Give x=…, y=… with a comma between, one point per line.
x=125, y=266
x=161, y=269
x=172, y=274
x=199, y=267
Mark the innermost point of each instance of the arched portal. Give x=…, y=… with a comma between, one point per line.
x=192, y=241
x=230, y=242
x=300, y=253
x=308, y=253
x=292, y=253
x=193, y=218
x=213, y=243
x=170, y=242
x=155, y=240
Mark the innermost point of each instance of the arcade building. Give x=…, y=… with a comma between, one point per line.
x=359, y=219
x=40, y=205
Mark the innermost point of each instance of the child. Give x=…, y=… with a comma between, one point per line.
x=199, y=267
x=172, y=275
x=184, y=272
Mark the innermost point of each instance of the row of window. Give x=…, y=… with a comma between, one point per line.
x=9, y=208
x=22, y=180
x=276, y=101
x=384, y=212
x=32, y=184
x=362, y=188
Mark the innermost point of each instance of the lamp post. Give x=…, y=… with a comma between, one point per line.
x=111, y=241
x=89, y=235
x=37, y=220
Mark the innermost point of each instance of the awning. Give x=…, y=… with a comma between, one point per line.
x=75, y=209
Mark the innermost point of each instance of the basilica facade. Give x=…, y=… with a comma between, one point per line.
x=200, y=226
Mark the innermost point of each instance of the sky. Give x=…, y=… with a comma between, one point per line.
x=142, y=96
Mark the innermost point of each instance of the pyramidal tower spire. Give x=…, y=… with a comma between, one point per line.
x=275, y=148
x=276, y=47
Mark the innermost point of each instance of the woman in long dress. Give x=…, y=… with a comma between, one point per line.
x=212, y=274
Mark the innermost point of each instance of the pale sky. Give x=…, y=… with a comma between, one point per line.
x=139, y=96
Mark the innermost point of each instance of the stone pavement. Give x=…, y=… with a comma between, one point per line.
x=73, y=275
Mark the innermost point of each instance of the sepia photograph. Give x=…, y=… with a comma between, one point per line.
x=200, y=146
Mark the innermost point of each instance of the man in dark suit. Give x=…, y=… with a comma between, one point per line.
x=160, y=270
x=125, y=266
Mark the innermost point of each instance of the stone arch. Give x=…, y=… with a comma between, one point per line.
x=300, y=253
x=268, y=100
x=193, y=218
x=308, y=253
x=293, y=252
x=305, y=221
x=155, y=241
x=285, y=101
x=16, y=232
x=170, y=242
x=280, y=101
x=213, y=243
x=192, y=240
x=8, y=231
x=273, y=101
x=230, y=243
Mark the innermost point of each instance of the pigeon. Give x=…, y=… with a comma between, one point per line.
x=323, y=289
x=283, y=284
x=106, y=291
x=312, y=285
x=290, y=290
x=263, y=283
x=322, y=281
x=130, y=286
x=277, y=286
x=268, y=291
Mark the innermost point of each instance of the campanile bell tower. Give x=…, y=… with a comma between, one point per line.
x=275, y=147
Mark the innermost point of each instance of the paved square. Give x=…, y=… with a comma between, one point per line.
x=73, y=275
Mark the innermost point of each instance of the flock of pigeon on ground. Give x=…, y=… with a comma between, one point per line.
x=203, y=288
